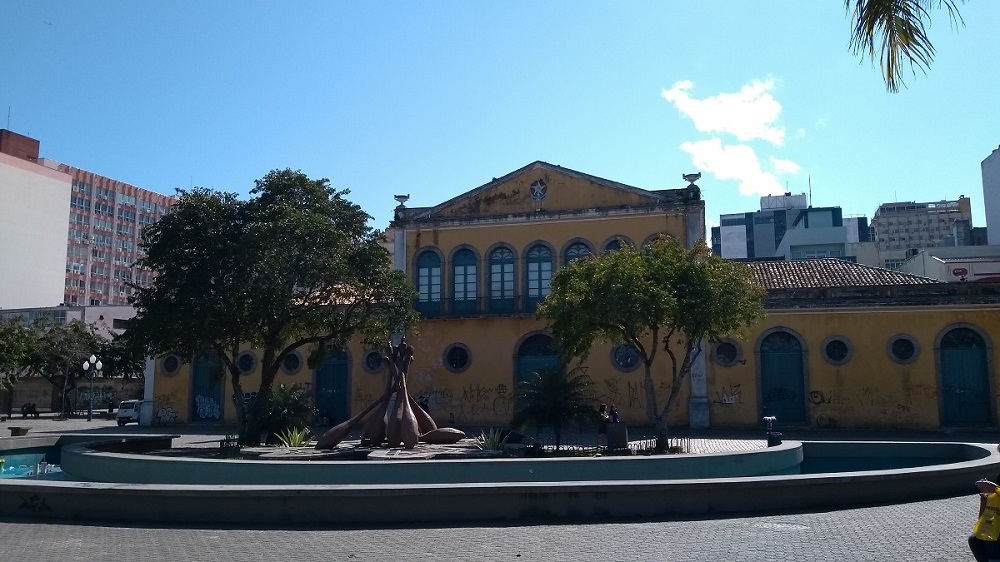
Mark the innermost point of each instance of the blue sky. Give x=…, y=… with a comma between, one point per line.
x=436, y=98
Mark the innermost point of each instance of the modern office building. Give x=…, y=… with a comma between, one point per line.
x=787, y=227
x=991, y=194
x=101, y=220
x=34, y=204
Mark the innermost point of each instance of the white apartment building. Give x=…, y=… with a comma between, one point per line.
x=991, y=195
x=34, y=204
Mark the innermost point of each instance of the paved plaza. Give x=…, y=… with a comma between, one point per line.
x=924, y=531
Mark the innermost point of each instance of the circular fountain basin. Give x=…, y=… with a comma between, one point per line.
x=148, y=488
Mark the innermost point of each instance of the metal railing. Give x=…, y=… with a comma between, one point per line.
x=480, y=306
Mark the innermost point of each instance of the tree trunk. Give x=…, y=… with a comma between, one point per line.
x=662, y=434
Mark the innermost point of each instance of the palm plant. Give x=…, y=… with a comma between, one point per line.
x=295, y=437
x=288, y=407
x=553, y=399
x=899, y=27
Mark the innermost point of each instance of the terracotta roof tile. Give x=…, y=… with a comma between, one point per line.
x=829, y=272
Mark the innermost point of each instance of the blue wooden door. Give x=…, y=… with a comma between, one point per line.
x=965, y=385
x=782, y=379
x=536, y=353
x=333, y=388
x=206, y=390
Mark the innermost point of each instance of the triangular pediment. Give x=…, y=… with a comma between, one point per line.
x=537, y=187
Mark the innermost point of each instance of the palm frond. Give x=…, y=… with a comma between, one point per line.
x=897, y=29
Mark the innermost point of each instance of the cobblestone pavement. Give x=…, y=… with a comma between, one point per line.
x=924, y=531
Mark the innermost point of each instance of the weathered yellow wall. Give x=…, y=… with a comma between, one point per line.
x=520, y=236
x=172, y=399
x=871, y=390
x=481, y=394
x=564, y=192
x=171, y=395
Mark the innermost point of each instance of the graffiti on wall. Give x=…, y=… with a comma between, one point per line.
x=207, y=407
x=866, y=402
x=475, y=403
x=612, y=392
x=729, y=395
x=103, y=396
x=165, y=406
x=636, y=392
x=502, y=403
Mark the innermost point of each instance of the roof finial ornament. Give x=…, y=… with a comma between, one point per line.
x=691, y=178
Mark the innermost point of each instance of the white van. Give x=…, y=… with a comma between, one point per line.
x=128, y=412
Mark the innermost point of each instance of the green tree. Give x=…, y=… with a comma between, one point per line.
x=660, y=296
x=552, y=398
x=16, y=342
x=897, y=29
x=57, y=351
x=296, y=264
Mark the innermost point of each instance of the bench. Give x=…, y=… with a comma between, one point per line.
x=17, y=431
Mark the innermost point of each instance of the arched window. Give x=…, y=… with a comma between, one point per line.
x=463, y=283
x=539, y=272
x=429, y=283
x=502, y=281
x=616, y=243
x=576, y=251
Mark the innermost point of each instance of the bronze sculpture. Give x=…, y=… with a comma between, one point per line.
x=395, y=418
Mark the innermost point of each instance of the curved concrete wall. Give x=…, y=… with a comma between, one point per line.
x=84, y=463
x=503, y=502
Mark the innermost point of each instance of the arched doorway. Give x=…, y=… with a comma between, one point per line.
x=536, y=352
x=333, y=386
x=782, y=377
x=964, y=378
x=207, y=374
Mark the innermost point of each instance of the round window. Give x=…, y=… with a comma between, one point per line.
x=456, y=358
x=625, y=357
x=291, y=363
x=171, y=364
x=726, y=353
x=246, y=362
x=373, y=361
x=903, y=349
x=837, y=350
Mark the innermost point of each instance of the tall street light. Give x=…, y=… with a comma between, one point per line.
x=97, y=366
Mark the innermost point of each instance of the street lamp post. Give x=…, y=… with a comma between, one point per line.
x=90, y=367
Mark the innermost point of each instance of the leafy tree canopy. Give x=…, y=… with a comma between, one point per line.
x=56, y=352
x=897, y=29
x=16, y=341
x=296, y=264
x=660, y=296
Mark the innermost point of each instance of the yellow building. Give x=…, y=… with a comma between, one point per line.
x=842, y=344
x=481, y=263
x=847, y=345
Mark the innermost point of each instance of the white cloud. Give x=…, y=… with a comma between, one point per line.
x=752, y=113
x=800, y=133
x=785, y=166
x=820, y=123
x=735, y=162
